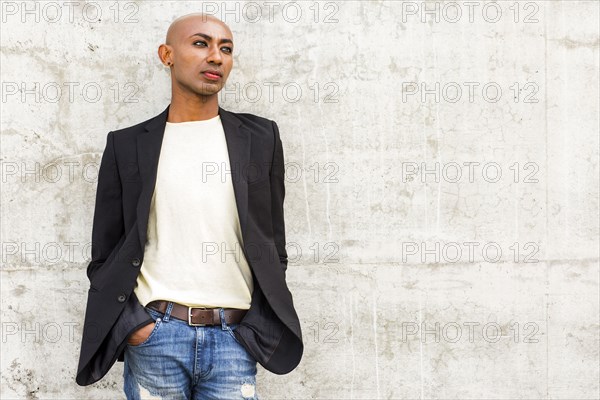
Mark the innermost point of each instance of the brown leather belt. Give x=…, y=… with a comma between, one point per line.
x=198, y=316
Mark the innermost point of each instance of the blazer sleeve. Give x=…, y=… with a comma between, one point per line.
x=276, y=174
x=108, y=225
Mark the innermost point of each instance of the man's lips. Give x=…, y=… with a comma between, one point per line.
x=212, y=75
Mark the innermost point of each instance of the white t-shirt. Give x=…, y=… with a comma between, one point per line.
x=194, y=252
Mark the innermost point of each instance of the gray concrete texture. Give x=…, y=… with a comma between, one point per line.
x=441, y=174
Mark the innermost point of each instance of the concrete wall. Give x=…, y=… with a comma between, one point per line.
x=442, y=187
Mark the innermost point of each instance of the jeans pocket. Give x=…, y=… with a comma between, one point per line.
x=244, y=353
x=230, y=328
x=157, y=324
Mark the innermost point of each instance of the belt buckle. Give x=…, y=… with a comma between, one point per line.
x=190, y=316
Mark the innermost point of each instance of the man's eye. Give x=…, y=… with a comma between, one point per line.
x=227, y=49
x=200, y=41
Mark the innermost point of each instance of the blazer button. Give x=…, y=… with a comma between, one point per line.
x=121, y=298
x=136, y=262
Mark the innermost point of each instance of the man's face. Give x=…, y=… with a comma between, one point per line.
x=199, y=48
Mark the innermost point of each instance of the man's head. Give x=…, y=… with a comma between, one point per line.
x=195, y=45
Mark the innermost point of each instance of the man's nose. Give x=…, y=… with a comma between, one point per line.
x=214, y=55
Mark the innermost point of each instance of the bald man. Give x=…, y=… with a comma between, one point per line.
x=192, y=199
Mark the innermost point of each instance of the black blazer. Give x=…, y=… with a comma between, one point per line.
x=270, y=330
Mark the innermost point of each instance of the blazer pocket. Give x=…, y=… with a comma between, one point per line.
x=258, y=184
x=93, y=289
x=131, y=173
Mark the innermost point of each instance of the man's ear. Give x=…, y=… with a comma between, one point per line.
x=164, y=54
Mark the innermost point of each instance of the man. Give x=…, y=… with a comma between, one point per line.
x=187, y=277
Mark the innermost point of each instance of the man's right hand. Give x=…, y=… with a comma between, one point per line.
x=141, y=334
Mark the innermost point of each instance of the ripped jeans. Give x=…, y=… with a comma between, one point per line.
x=183, y=362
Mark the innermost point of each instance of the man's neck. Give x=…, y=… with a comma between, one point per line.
x=195, y=109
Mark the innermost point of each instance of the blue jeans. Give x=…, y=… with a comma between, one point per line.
x=179, y=361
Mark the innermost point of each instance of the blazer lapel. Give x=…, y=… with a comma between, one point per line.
x=238, y=139
x=149, y=143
